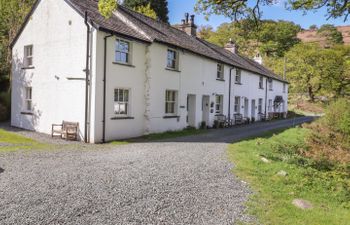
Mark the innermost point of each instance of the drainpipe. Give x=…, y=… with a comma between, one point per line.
x=87, y=82
x=229, y=94
x=104, y=88
x=266, y=96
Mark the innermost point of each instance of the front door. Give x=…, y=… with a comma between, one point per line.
x=205, y=109
x=246, y=105
x=191, y=110
x=253, y=108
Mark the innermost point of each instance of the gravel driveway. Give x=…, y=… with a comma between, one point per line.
x=178, y=182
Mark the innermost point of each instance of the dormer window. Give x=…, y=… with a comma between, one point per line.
x=28, y=56
x=220, y=71
x=122, y=52
x=172, y=59
x=238, y=76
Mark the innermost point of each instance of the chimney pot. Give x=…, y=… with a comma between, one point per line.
x=192, y=19
x=232, y=46
x=186, y=17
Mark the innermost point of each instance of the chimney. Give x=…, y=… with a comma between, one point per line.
x=187, y=25
x=258, y=59
x=232, y=46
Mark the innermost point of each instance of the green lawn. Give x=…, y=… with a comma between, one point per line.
x=325, y=185
x=10, y=141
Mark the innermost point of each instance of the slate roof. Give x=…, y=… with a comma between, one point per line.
x=148, y=30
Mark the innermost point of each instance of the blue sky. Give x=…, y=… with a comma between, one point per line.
x=177, y=9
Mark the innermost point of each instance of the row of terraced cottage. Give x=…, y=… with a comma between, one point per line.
x=129, y=75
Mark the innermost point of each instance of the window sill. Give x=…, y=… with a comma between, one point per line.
x=27, y=113
x=239, y=83
x=122, y=118
x=123, y=64
x=171, y=117
x=28, y=68
x=220, y=79
x=174, y=70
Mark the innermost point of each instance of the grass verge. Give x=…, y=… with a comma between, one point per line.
x=10, y=141
x=161, y=136
x=326, y=187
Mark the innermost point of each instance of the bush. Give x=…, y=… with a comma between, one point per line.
x=329, y=139
x=5, y=106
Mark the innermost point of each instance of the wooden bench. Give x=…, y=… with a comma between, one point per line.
x=222, y=121
x=262, y=116
x=66, y=130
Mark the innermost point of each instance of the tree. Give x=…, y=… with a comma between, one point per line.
x=205, y=32
x=146, y=10
x=332, y=35
x=270, y=38
x=313, y=27
x=159, y=6
x=106, y=7
x=238, y=9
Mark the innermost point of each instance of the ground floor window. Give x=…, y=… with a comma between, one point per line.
x=260, y=105
x=270, y=105
x=219, y=104
x=170, y=102
x=28, y=99
x=121, y=101
x=237, y=104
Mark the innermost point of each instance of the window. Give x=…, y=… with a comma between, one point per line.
x=220, y=72
x=238, y=76
x=28, y=99
x=237, y=104
x=260, y=105
x=261, y=82
x=270, y=84
x=28, y=56
x=284, y=88
x=121, y=101
x=122, y=52
x=270, y=105
x=170, y=102
x=219, y=104
x=172, y=59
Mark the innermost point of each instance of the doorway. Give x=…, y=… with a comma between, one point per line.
x=253, y=109
x=246, y=107
x=191, y=110
x=205, y=109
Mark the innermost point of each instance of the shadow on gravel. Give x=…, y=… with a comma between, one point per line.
x=1, y=170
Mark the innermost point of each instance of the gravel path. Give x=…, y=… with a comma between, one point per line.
x=187, y=180
x=152, y=183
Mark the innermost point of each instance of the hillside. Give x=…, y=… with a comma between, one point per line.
x=311, y=36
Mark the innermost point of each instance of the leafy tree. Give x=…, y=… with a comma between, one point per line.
x=146, y=10
x=106, y=7
x=159, y=6
x=332, y=35
x=238, y=9
x=205, y=32
x=270, y=38
x=313, y=27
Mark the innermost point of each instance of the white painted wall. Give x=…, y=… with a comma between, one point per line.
x=59, y=53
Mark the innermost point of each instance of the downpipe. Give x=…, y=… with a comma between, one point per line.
x=87, y=81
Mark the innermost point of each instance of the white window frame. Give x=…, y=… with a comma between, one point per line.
x=270, y=84
x=174, y=61
x=220, y=71
x=261, y=82
x=219, y=103
x=118, y=102
x=28, y=99
x=237, y=104
x=260, y=105
x=169, y=101
x=28, y=56
x=120, y=51
x=238, y=76
x=270, y=105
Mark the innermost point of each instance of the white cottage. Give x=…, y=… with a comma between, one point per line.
x=129, y=75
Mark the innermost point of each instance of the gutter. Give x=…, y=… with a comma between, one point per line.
x=266, y=96
x=104, y=88
x=229, y=94
x=87, y=81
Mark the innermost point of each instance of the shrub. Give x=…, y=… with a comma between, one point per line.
x=337, y=116
x=5, y=106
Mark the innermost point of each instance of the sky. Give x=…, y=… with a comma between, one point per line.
x=178, y=8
